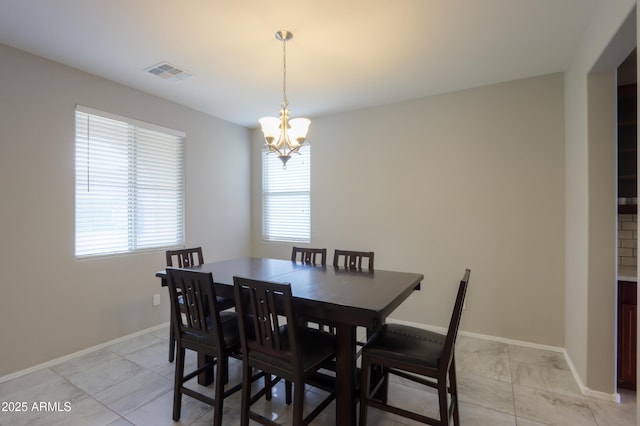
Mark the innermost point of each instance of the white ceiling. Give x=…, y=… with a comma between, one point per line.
x=344, y=55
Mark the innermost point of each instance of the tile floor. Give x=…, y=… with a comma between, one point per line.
x=130, y=383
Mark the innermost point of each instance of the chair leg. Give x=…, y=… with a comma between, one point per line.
x=287, y=392
x=364, y=389
x=298, y=402
x=178, y=381
x=385, y=386
x=224, y=363
x=379, y=373
x=443, y=401
x=246, y=393
x=453, y=389
x=172, y=342
x=268, y=394
x=219, y=390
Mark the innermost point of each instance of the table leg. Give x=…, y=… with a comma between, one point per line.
x=346, y=398
x=205, y=378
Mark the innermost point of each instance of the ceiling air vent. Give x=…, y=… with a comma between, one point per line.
x=169, y=72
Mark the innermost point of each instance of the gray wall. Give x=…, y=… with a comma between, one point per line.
x=467, y=179
x=51, y=304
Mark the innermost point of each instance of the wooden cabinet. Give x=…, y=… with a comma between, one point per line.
x=627, y=147
x=627, y=334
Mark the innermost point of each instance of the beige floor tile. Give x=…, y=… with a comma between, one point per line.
x=83, y=412
x=120, y=422
x=36, y=378
x=483, y=358
x=526, y=422
x=131, y=383
x=41, y=386
x=552, y=409
x=423, y=402
x=84, y=362
x=159, y=411
x=162, y=333
x=484, y=392
x=151, y=356
x=539, y=376
x=140, y=342
x=537, y=356
x=473, y=415
x=167, y=368
x=134, y=392
x=609, y=413
x=104, y=375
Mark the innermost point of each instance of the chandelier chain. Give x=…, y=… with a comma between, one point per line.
x=285, y=101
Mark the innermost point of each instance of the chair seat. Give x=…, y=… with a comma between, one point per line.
x=225, y=303
x=229, y=323
x=407, y=344
x=315, y=346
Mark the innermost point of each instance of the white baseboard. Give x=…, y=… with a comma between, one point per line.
x=79, y=353
x=615, y=397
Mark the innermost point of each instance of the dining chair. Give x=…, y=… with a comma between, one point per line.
x=280, y=348
x=309, y=255
x=200, y=326
x=417, y=355
x=185, y=258
x=353, y=259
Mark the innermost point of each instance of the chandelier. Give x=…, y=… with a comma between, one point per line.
x=284, y=136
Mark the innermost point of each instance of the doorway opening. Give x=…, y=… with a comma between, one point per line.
x=627, y=224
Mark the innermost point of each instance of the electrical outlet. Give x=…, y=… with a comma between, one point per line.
x=156, y=300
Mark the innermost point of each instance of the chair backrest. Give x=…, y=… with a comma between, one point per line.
x=196, y=313
x=309, y=255
x=352, y=259
x=452, y=332
x=185, y=257
x=259, y=304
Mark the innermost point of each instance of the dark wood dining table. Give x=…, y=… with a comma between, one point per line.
x=344, y=298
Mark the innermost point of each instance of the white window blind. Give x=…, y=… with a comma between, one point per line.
x=286, y=197
x=129, y=185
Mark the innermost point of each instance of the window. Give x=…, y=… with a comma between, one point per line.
x=129, y=185
x=286, y=197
